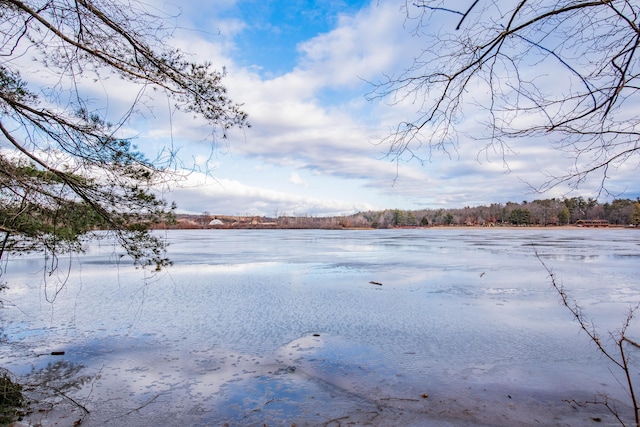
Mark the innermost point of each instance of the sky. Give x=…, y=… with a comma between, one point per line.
x=303, y=69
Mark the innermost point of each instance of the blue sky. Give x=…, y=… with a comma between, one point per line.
x=301, y=70
x=274, y=29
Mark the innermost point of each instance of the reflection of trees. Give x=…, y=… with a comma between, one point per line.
x=58, y=380
x=63, y=375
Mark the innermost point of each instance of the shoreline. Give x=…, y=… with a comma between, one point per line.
x=409, y=227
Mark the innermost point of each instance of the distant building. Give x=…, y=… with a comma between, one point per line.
x=216, y=223
x=592, y=223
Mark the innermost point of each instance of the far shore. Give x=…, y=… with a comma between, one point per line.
x=258, y=226
x=545, y=227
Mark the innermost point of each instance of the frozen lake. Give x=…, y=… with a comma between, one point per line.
x=276, y=327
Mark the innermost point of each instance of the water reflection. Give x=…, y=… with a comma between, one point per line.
x=58, y=390
x=61, y=375
x=285, y=326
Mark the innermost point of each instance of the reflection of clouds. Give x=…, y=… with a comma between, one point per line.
x=235, y=269
x=230, y=326
x=165, y=378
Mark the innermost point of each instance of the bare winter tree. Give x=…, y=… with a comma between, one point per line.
x=66, y=165
x=558, y=72
x=617, y=349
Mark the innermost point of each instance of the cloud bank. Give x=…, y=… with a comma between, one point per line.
x=315, y=142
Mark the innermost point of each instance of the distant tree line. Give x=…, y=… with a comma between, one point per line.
x=548, y=212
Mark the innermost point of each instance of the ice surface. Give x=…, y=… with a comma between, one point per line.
x=275, y=327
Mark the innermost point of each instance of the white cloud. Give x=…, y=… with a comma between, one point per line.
x=296, y=179
x=314, y=130
x=200, y=193
x=362, y=46
x=293, y=127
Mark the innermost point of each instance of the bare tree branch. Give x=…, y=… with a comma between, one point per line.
x=506, y=52
x=64, y=168
x=618, y=355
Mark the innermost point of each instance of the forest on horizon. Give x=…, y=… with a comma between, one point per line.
x=546, y=212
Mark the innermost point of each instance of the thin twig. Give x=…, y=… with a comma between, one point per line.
x=75, y=402
x=620, y=359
